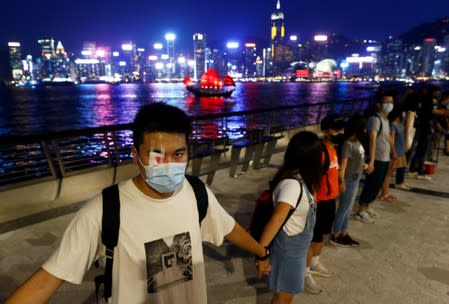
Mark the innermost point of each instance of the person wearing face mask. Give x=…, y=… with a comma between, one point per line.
x=379, y=153
x=159, y=256
x=332, y=127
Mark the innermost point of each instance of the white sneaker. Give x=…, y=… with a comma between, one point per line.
x=402, y=186
x=372, y=213
x=320, y=270
x=311, y=285
x=364, y=217
x=424, y=177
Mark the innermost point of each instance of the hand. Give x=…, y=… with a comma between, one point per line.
x=342, y=187
x=263, y=268
x=369, y=169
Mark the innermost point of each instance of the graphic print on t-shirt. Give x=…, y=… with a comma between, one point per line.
x=169, y=262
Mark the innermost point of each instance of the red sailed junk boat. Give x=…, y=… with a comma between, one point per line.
x=211, y=85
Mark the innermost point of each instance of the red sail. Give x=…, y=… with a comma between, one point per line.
x=187, y=81
x=228, y=81
x=211, y=79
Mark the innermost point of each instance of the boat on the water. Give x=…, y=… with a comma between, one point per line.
x=210, y=85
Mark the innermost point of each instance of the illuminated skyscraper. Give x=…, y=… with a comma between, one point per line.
x=199, y=55
x=47, y=58
x=428, y=56
x=249, y=65
x=15, y=60
x=281, y=54
x=277, y=24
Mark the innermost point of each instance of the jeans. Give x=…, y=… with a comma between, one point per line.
x=373, y=183
x=345, y=203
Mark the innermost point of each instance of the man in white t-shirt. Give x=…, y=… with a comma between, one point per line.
x=159, y=256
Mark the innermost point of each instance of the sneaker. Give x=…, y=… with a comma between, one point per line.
x=311, y=285
x=403, y=186
x=320, y=270
x=372, y=213
x=424, y=177
x=339, y=241
x=364, y=217
x=350, y=240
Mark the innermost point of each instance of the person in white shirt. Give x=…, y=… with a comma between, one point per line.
x=159, y=256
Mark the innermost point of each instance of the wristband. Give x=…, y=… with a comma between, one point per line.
x=266, y=256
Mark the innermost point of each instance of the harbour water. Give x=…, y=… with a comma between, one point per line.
x=26, y=111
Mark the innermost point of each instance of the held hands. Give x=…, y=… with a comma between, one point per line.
x=263, y=268
x=369, y=168
x=342, y=187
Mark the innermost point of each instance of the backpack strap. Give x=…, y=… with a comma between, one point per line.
x=110, y=225
x=202, y=201
x=291, y=211
x=380, y=123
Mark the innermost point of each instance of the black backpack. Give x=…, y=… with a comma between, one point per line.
x=263, y=210
x=111, y=223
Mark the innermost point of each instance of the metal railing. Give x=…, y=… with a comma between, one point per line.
x=35, y=158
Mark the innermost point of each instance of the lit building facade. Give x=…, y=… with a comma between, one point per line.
x=249, y=61
x=46, y=69
x=15, y=60
x=199, y=54
x=281, y=54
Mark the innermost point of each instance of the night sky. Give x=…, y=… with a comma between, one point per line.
x=110, y=22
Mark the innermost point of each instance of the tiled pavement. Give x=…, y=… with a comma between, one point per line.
x=403, y=257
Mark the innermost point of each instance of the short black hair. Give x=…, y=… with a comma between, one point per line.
x=160, y=117
x=332, y=121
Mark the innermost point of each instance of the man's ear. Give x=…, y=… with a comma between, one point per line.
x=135, y=154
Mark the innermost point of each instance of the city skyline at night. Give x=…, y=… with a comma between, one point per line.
x=111, y=23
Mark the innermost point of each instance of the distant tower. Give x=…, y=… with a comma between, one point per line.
x=61, y=64
x=277, y=24
x=47, y=58
x=281, y=55
x=199, y=54
x=15, y=58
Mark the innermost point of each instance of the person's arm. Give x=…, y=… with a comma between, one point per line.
x=280, y=213
x=241, y=238
x=37, y=289
x=341, y=174
x=392, y=140
x=372, y=151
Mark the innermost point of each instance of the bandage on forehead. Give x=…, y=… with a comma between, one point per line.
x=156, y=158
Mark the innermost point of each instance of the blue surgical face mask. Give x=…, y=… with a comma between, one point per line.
x=165, y=177
x=387, y=108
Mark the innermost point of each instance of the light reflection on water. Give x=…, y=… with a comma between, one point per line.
x=34, y=111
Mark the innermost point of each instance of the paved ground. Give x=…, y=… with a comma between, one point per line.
x=403, y=257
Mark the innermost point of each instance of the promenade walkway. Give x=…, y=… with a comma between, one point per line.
x=403, y=257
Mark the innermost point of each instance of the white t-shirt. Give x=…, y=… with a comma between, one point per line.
x=159, y=256
x=287, y=191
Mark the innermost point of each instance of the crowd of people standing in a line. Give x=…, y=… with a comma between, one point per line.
x=158, y=257
x=399, y=136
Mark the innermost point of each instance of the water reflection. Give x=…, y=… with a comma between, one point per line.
x=35, y=111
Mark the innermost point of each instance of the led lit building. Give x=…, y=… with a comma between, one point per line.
x=281, y=54
x=428, y=56
x=199, y=54
x=61, y=67
x=234, y=59
x=15, y=59
x=47, y=58
x=249, y=63
x=392, y=61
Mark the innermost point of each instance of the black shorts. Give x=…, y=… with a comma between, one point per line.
x=325, y=215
